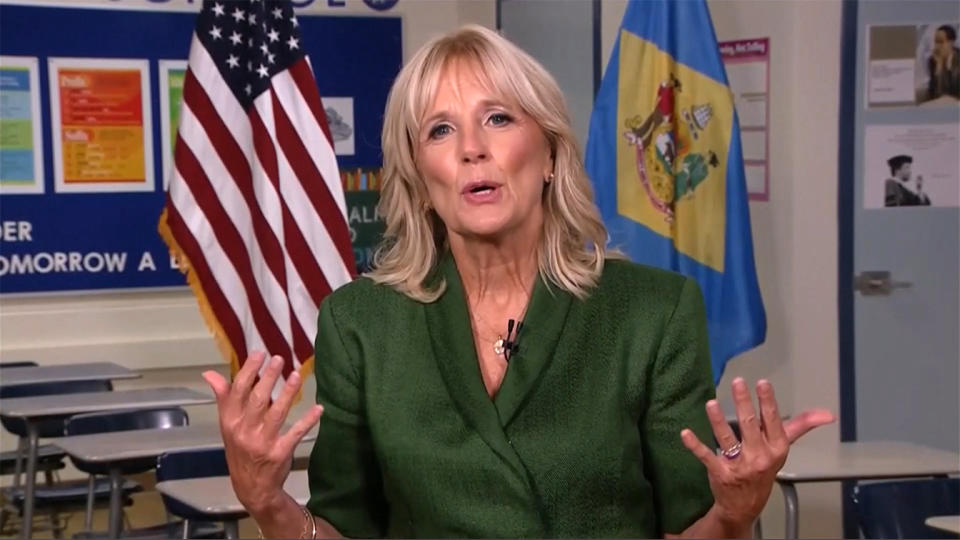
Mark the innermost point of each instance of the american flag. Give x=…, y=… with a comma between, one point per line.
x=255, y=211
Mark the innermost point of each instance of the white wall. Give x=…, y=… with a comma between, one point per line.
x=161, y=333
x=795, y=233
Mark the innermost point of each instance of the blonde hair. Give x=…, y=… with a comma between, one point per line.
x=572, y=247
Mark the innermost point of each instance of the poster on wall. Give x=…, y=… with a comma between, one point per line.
x=21, y=146
x=172, y=75
x=916, y=64
x=747, y=63
x=339, y=111
x=911, y=165
x=100, y=115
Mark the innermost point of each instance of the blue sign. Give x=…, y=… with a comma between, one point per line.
x=83, y=241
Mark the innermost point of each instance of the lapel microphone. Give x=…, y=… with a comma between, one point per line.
x=511, y=344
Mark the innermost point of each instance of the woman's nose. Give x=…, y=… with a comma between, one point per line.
x=473, y=146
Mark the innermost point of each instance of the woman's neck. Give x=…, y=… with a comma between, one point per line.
x=497, y=273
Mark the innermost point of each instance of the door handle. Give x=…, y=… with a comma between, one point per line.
x=877, y=283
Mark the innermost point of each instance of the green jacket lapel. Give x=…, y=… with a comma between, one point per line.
x=542, y=327
x=448, y=323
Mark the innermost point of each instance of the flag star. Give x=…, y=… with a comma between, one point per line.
x=215, y=32
x=270, y=57
x=249, y=65
x=277, y=13
x=250, y=43
x=236, y=38
x=273, y=35
x=262, y=70
x=252, y=19
x=218, y=9
x=293, y=43
x=238, y=15
x=263, y=47
x=233, y=61
x=294, y=21
x=247, y=89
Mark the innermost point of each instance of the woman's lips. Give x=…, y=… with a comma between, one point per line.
x=481, y=192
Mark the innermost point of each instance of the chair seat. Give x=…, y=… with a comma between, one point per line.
x=70, y=492
x=49, y=458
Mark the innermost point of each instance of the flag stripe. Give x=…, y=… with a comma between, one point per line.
x=181, y=200
x=324, y=204
x=226, y=316
x=302, y=74
x=317, y=237
x=294, y=243
x=228, y=237
x=298, y=103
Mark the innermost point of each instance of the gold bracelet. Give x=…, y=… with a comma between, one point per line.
x=309, y=516
x=306, y=524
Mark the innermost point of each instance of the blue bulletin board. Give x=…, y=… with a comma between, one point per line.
x=57, y=241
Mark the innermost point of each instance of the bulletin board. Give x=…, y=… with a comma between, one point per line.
x=55, y=237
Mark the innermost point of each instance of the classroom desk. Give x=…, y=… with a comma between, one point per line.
x=949, y=524
x=92, y=371
x=117, y=446
x=214, y=495
x=33, y=408
x=859, y=460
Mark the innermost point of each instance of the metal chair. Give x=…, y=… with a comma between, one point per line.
x=49, y=457
x=197, y=464
x=899, y=509
x=51, y=496
x=105, y=422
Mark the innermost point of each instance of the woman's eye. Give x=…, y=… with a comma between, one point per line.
x=499, y=119
x=439, y=131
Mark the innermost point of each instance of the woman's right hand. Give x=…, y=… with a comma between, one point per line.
x=259, y=456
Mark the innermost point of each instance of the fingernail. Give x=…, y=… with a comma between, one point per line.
x=294, y=378
x=738, y=380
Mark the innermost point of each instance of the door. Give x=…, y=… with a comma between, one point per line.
x=563, y=36
x=905, y=253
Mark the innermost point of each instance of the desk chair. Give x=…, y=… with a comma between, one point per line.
x=50, y=458
x=105, y=422
x=196, y=464
x=899, y=509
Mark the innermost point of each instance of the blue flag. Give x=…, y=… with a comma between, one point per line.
x=664, y=155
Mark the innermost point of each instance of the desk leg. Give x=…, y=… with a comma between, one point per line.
x=21, y=456
x=231, y=529
x=793, y=512
x=30, y=491
x=116, y=508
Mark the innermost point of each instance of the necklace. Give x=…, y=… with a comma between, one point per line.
x=499, y=344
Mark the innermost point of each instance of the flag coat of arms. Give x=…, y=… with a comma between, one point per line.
x=255, y=211
x=663, y=152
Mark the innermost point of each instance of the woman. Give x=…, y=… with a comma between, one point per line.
x=943, y=66
x=440, y=418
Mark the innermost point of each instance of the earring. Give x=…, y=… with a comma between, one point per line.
x=549, y=178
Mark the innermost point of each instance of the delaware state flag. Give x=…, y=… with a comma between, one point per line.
x=664, y=155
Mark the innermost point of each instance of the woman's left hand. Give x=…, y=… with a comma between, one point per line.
x=742, y=476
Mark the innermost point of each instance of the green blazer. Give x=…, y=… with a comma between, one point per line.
x=582, y=439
